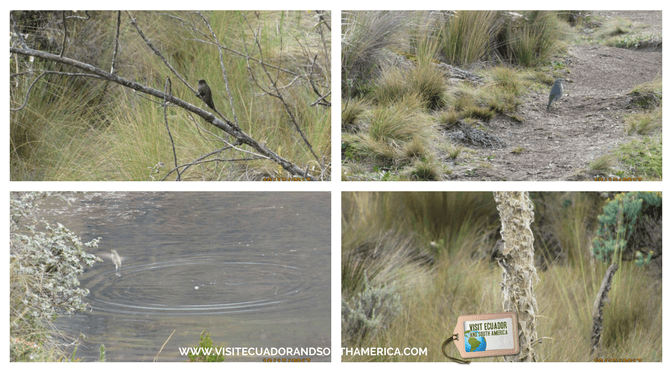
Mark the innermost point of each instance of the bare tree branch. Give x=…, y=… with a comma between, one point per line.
x=223, y=124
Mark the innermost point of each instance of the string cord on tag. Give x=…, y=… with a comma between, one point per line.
x=443, y=350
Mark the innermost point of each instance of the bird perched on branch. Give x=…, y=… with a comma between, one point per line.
x=205, y=94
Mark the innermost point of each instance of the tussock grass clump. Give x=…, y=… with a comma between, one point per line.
x=363, y=38
x=525, y=39
x=535, y=40
x=391, y=129
x=425, y=170
x=352, y=113
x=392, y=86
x=461, y=97
x=644, y=123
x=427, y=81
x=397, y=123
x=603, y=164
x=649, y=94
x=424, y=81
x=416, y=148
x=449, y=118
x=454, y=151
x=476, y=112
x=507, y=79
x=467, y=36
x=501, y=101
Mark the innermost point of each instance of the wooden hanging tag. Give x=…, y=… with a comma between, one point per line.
x=487, y=335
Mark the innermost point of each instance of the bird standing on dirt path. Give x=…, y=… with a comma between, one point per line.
x=556, y=92
x=205, y=94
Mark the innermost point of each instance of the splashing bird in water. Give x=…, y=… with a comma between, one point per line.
x=116, y=260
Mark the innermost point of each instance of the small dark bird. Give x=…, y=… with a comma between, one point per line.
x=205, y=94
x=498, y=251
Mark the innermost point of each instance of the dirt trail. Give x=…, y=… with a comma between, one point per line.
x=585, y=124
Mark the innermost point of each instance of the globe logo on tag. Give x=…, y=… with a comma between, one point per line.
x=473, y=342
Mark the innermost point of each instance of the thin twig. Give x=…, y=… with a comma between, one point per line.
x=157, y=52
x=65, y=34
x=321, y=98
x=18, y=34
x=78, y=17
x=165, y=119
x=201, y=161
x=164, y=344
x=116, y=42
x=323, y=19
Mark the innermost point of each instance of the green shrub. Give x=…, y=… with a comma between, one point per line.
x=371, y=311
x=44, y=266
x=206, y=344
x=622, y=220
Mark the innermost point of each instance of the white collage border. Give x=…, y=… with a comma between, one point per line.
x=335, y=186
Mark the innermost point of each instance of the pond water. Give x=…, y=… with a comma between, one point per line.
x=253, y=269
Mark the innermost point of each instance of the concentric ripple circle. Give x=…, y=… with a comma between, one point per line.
x=200, y=285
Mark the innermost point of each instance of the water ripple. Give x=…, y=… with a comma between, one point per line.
x=200, y=285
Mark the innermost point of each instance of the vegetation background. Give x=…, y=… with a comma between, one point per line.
x=76, y=128
x=461, y=95
x=413, y=262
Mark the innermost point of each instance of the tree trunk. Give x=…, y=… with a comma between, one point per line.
x=517, y=261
